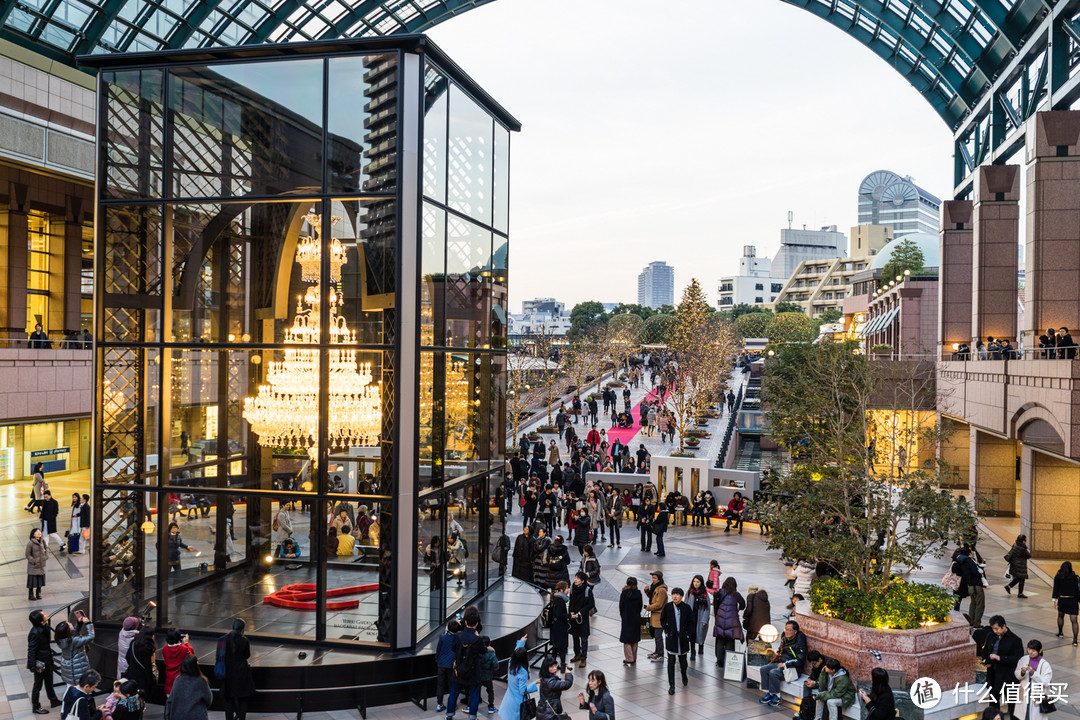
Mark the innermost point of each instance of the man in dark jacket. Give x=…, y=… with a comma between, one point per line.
x=971, y=585
x=677, y=619
x=50, y=509
x=39, y=660
x=815, y=662
x=659, y=526
x=582, y=605
x=467, y=653
x=792, y=653
x=1001, y=650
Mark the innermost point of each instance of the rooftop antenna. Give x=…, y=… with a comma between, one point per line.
x=790, y=217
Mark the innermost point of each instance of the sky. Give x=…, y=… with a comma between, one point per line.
x=682, y=130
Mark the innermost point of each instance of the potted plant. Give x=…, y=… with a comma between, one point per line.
x=547, y=429
x=692, y=442
x=882, y=350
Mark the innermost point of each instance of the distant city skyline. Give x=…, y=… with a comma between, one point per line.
x=641, y=142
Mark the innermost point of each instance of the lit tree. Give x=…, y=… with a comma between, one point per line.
x=624, y=338
x=754, y=325
x=706, y=354
x=656, y=329
x=550, y=376
x=858, y=495
x=580, y=359
x=524, y=392
x=689, y=316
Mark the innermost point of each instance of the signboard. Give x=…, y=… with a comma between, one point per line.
x=7, y=464
x=54, y=451
x=735, y=666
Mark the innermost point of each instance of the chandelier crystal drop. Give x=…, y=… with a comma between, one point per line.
x=309, y=250
x=285, y=412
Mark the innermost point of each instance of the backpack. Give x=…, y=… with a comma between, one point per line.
x=592, y=571
x=219, y=657
x=547, y=615
x=467, y=660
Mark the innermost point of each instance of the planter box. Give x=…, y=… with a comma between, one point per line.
x=547, y=430
x=944, y=652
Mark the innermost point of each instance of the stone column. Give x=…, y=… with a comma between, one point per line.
x=954, y=276
x=1050, y=505
x=18, y=235
x=994, y=251
x=1052, y=257
x=72, y=265
x=992, y=475
x=956, y=452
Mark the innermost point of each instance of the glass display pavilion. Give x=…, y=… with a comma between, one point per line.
x=300, y=323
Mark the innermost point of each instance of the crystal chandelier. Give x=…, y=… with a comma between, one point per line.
x=309, y=250
x=285, y=412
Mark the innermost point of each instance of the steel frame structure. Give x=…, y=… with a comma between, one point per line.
x=985, y=66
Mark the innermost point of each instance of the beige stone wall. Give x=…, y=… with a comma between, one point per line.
x=992, y=482
x=1051, y=493
x=44, y=383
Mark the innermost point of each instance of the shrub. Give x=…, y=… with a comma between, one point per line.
x=683, y=454
x=900, y=605
x=547, y=429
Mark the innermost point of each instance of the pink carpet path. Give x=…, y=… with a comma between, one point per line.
x=625, y=435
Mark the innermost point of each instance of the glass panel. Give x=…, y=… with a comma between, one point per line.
x=355, y=533
x=495, y=508
x=122, y=571
x=432, y=276
x=463, y=548
x=365, y=234
x=500, y=305
x=248, y=128
x=134, y=132
x=431, y=424
x=435, y=102
x=468, y=417
x=362, y=113
x=501, y=181
x=468, y=284
x=130, y=380
x=469, y=157
x=431, y=573
x=131, y=281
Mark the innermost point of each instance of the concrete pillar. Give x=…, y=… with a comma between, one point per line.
x=955, y=451
x=1052, y=257
x=1050, y=505
x=954, y=273
x=996, y=217
x=72, y=265
x=992, y=475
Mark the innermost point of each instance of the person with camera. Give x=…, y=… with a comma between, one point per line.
x=73, y=640
x=39, y=660
x=581, y=607
x=549, y=706
x=177, y=647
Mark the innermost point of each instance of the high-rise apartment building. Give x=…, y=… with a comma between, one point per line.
x=799, y=246
x=656, y=285
x=885, y=198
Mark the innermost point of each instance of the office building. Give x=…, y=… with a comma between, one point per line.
x=752, y=285
x=798, y=246
x=885, y=198
x=545, y=314
x=656, y=285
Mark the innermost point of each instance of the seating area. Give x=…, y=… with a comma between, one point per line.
x=793, y=691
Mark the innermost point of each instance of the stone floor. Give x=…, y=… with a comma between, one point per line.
x=640, y=691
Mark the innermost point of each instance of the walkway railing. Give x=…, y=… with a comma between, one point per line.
x=729, y=431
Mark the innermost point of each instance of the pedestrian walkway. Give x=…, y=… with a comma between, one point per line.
x=640, y=691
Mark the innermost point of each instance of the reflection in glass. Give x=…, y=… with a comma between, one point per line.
x=361, y=121
x=431, y=580
x=468, y=283
x=432, y=276
x=501, y=181
x=435, y=103
x=468, y=149
x=133, y=139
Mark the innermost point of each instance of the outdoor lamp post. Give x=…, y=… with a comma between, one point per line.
x=768, y=634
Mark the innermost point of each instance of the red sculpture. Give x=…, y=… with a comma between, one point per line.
x=301, y=596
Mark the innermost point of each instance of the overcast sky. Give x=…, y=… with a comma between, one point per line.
x=681, y=130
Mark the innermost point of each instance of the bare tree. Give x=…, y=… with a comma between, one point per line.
x=524, y=391
x=705, y=355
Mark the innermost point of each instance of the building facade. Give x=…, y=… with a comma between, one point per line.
x=885, y=198
x=753, y=285
x=47, y=126
x=545, y=314
x=656, y=285
x=798, y=246
x=301, y=302
x=824, y=284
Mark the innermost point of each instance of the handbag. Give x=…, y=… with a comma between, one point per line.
x=1046, y=707
x=557, y=715
x=790, y=674
x=951, y=581
x=528, y=708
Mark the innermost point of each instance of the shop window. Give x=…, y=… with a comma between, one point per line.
x=37, y=271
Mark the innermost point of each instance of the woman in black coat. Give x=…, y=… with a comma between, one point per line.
x=1066, y=595
x=141, y=656
x=630, y=604
x=880, y=704
x=524, y=554
x=559, y=636
x=558, y=563
x=238, y=685
x=540, y=557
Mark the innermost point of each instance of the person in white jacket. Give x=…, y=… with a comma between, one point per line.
x=1032, y=670
x=805, y=572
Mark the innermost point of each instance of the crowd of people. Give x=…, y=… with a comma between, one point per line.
x=144, y=671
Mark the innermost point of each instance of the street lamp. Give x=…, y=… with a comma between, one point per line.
x=768, y=634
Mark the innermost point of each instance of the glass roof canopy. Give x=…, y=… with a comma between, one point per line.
x=950, y=50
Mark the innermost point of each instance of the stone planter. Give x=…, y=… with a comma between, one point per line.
x=944, y=652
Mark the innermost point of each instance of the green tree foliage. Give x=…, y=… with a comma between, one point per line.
x=906, y=255
x=754, y=325
x=741, y=309
x=791, y=327
x=787, y=307
x=585, y=316
x=641, y=311
x=656, y=329
x=665, y=310
x=832, y=315
x=691, y=315
x=846, y=500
